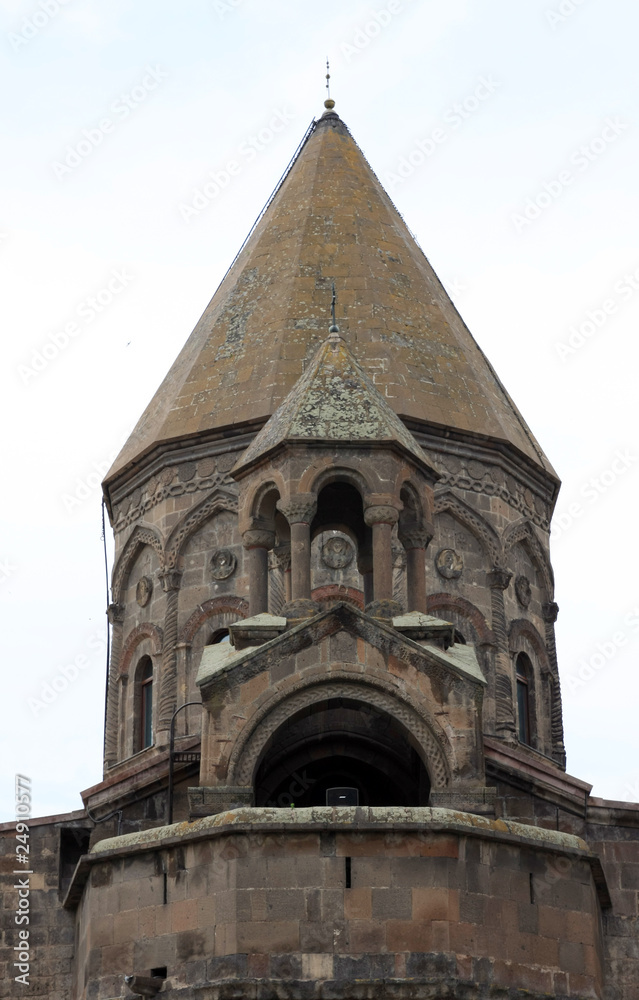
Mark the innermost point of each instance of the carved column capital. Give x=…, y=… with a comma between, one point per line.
x=170, y=579
x=115, y=614
x=550, y=611
x=381, y=514
x=258, y=538
x=415, y=537
x=499, y=579
x=300, y=509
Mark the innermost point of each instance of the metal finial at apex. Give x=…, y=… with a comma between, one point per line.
x=329, y=103
x=333, y=328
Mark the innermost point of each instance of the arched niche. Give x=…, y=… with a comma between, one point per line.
x=341, y=742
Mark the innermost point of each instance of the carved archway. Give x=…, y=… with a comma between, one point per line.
x=250, y=746
x=194, y=519
x=142, y=535
x=523, y=531
x=483, y=532
x=442, y=602
x=208, y=609
x=141, y=632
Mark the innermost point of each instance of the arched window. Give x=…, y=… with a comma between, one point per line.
x=523, y=675
x=220, y=635
x=145, y=718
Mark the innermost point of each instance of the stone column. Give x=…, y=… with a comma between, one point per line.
x=257, y=542
x=115, y=614
x=381, y=519
x=365, y=566
x=549, y=612
x=415, y=540
x=299, y=511
x=505, y=724
x=283, y=556
x=168, y=678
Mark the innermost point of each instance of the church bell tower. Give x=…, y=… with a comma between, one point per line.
x=334, y=757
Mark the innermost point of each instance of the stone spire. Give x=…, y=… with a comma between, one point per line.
x=330, y=217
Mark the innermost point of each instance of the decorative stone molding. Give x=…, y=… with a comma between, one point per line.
x=549, y=612
x=137, y=635
x=449, y=503
x=523, y=532
x=298, y=610
x=171, y=482
x=141, y=536
x=385, y=610
x=498, y=579
x=171, y=579
x=300, y=509
x=209, y=609
x=258, y=538
x=115, y=613
x=381, y=514
x=442, y=602
x=194, y=519
x=490, y=480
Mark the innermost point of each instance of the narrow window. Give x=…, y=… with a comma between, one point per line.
x=146, y=704
x=523, y=673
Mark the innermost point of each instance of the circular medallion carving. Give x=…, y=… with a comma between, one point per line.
x=522, y=590
x=449, y=564
x=144, y=590
x=223, y=564
x=337, y=552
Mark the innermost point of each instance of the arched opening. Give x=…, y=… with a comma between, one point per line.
x=220, y=635
x=340, y=514
x=341, y=742
x=524, y=678
x=144, y=707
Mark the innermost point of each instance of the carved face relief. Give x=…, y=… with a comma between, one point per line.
x=449, y=564
x=522, y=590
x=337, y=552
x=223, y=564
x=144, y=590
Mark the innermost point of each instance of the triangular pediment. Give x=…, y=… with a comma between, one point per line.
x=223, y=665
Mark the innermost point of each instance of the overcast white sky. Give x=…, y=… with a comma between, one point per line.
x=115, y=115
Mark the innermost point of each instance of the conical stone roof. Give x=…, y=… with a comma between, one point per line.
x=334, y=400
x=330, y=220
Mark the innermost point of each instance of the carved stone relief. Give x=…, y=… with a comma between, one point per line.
x=449, y=564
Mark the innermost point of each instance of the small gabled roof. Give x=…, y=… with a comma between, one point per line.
x=334, y=401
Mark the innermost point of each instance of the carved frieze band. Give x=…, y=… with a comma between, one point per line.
x=191, y=477
x=492, y=481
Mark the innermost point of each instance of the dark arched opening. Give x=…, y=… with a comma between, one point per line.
x=340, y=508
x=341, y=743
